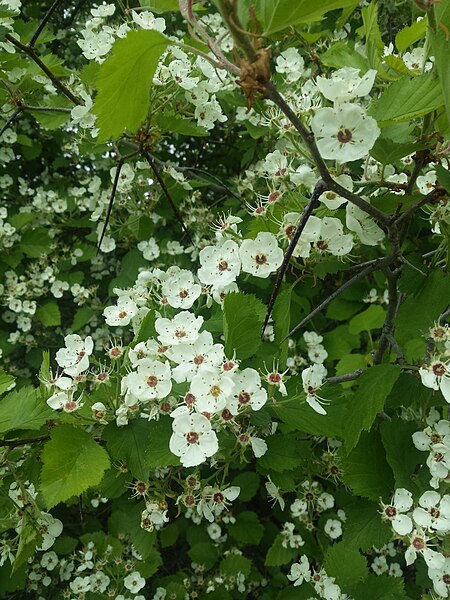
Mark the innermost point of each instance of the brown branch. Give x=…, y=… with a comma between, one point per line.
x=111, y=201
x=15, y=114
x=29, y=51
x=430, y=197
x=313, y=202
x=388, y=327
x=43, y=23
x=346, y=377
x=24, y=442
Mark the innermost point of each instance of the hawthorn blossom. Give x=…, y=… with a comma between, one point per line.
x=121, y=314
x=345, y=84
x=344, y=133
x=220, y=264
x=64, y=400
x=332, y=239
x=182, y=329
x=418, y=545
x=261, y=256
x=291, y=64
x=191, y=358
x=433, y=512
x=152, y=380
x=436, y=376
x=134, y=582
x=313, y=378
x=193, y=439
x=180, y=290
x=74, y=358
x=441, y=578
x=394, y=512
x=363, y=225
x=331, y=199
x=211, y=388
x=299, y=571
x=247, y=392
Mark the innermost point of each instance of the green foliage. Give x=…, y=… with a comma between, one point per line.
x=364, y=527
x=124, y=82
x=347, y=565
x=49, y=314
x=23, y=409
x=72, y=462
x=243, y=317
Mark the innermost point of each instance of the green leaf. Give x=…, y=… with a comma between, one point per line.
x=249, y=484
x=35, y=242
x=347, y=565
x=124, y=82
x=49, y=314
x=440, y=48
x=5, y=381
x=23, y=409
x=366, y=469
x=147, y=329
x=129, y=444
x=72, y=463
x=158, y=454
x=342, y=54
x=364, y=527
x=247, y=530
x=243, y=317
x=276, y=15
x=407, y=99
x=374, y=386
x=160, y=6
x=278, y=555
x=371, y=31
x=284, y=452
x=82, y=316
x=387, y=151
x=381, y=587
x=204, y=553
x=401, y=454
x=167, y=121
x=371, y=318
x=410, y=34
x=282, y=320
x=234, y=563
x=443, y=177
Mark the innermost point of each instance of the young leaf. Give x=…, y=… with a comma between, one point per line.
x=243, y=316
x=72, y=463
x=124, y=81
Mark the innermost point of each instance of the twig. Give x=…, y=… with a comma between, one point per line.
x=23, y=442
x=161, y=182
x=313, y=201
x=15, y=114
x=430, y=197
x=32, y=54
x=59, y=109
x=346, y=377
x=379, y=264
x=388, y=327
x=43, y=23
x=111, y=201
x=444, y=315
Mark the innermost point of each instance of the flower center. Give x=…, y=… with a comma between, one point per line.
x=218, y=497
x=322, y=245
x=189, y=399
x=439, y=369
x=215, y=391
x=344, y=136
x=122, y=314
x=244, y=398
x=152, y=381
x=290, y=231
x=228, y=366
x=260, y=259
x=226, y=415
x=222, y=266
x=70, y=406
x=418, y=543
x=198, y=359
x=273, y=196
x=183, y=294
x=180, y=333
x=435, y=512
x=274, y=378
x=192, y=437
x=390, y=511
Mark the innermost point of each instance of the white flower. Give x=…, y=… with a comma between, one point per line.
x=121, y=314
x=220, y=264
x=436, y=376
x=152, y=380
x=180, y=290
x=363, y=225
x=433, y=512
x=300, y=571
x=418, y=545
x=291, y=64
x=147, y=20
x=332, y=239
x=261, y=256
x=80, y=585
x=74, y=358
x=211, y=389
x=65, y=401
x=247, y=392
x=346, y=84
x=193, y=439
x=134, y=582
x=313, y=378
x=331, y=199
x=344, y=133
x=182, y=329
x=49, y=560
x=333, y=528
x=426, y=183
x=153, y=515
x=325, y=501
x=273, y=492
x=149, y=248
x=401, y=503
x=441, y=579
x=214, y=531
x=50, y=528
x=299, y=508
x=192, y=358
x=258, y=445
x=309, y=234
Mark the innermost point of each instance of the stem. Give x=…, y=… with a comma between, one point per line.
x=23, y=442
x=32, y=54
x=43, y=23
x=346, y=376
x=15, y=114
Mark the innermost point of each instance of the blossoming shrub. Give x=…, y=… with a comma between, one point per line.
x=225, y=341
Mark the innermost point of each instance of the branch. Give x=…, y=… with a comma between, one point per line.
x=314, y=200
x=379, y=264
x=43, y=23
x=388, y=327
x=15, y=114
x=430, y=197
x=346, y=376
x=161, y=182
x=29, y=51
x=111, y=201
x=23, y=442
x=59, y=109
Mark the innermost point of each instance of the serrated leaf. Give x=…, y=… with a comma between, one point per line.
x=284, y=453
x=374, y=386
x=178, y=124
x=124, y=82
x=71, y=463
x=249, y=484
x=247, y=530
x=82, y=316
x=204, y=553
x=49, y=314
x=6, y=381
x=35, y=242
x=366, y=469
x=243, y=317
x=407, y=99
x=282, y=320
x=234, y=563
x=401, y=454
x=129, y=444
x=381, y=587
x=158, y=453
x=346, y=565
x=371, y=318
x=440, y=48
x=410, y=34
x=23, y=409
x=364, y=527
x=278, y=555
x=276, y=15
x=443, y=177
